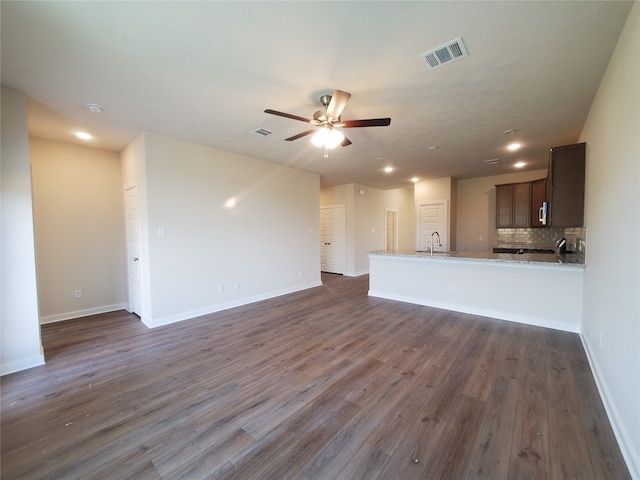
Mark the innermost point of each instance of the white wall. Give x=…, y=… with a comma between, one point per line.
x=612, y=276
x=477, y=209
x=401, y=199
x=247, y=225
x=79, y=229
x=365, y=220
x=19, y=325
x=369, y=225
x=492, y=289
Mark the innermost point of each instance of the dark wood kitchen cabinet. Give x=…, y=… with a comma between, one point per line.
x=504, y=206
x=538, y=197
x=566, y=185
x=513, y=205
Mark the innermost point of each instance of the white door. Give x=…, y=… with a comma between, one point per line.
x=433, y=218
x=133, y=249
x=391, y=229
x=332, y=239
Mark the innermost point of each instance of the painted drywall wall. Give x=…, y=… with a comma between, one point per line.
x=369, y=206
x=401, y=199
x=224, y=229
x=79, y=230
x=365, y=217
x=612, y=277
x=490, y=289
x=476, y=200
x=19, y=325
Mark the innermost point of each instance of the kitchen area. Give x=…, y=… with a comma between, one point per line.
x=533, y=274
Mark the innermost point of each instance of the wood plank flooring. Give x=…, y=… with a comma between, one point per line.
x=322, y=384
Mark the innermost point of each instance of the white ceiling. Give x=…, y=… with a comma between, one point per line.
x=205, y=72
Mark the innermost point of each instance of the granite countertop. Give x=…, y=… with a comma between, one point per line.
x=529, y=258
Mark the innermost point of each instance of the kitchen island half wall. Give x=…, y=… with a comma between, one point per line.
x=542, y=290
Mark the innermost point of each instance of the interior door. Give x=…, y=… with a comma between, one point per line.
x=433, y=219
x=133, y=250
x=332, y=239
x=391, y=229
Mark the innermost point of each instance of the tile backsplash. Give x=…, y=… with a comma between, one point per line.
x=543, y=237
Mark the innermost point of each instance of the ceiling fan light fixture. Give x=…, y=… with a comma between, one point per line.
x=327, y=138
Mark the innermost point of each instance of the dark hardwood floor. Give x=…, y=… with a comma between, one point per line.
x=321, y=384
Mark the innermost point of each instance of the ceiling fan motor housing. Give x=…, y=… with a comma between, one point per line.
x=320, y=117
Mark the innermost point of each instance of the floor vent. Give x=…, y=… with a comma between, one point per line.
x=450, y=52
x=262, y=132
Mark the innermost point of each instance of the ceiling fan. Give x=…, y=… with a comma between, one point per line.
x=327, y=121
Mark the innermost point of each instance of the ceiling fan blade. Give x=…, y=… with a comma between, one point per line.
x=287, y=115
x=300, y=135
x=346, y=142
x=338, y=101
x=372, y=122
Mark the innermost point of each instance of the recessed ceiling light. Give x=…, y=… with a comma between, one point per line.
x=83, y=135
x=519, y=164
x=415, y=179
x=513, y=146
x=388, y=169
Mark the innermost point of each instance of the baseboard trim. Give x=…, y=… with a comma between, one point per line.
x=179, y=317
x=83, y=313
x=491, y=313
x=630, y=455
x=23, y=364
x=356, y=274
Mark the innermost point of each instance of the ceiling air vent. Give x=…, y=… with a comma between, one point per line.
x=450, y=52
x=261, y=132
x=492, y=161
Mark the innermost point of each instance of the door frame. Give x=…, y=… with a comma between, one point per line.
x=130, y=254
x=445, y=222
x=395, y=227
x=344, y=235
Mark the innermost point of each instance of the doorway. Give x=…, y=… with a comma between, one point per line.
x=433, y=218
x=133, y=251
x=332, y=239
x=391, y=229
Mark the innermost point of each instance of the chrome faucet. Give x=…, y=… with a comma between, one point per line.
x=431, y=244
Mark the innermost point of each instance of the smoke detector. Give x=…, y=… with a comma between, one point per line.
x=95, y=108
x=447, y=53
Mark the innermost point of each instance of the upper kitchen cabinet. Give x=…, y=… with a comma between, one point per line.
x=538, y=202
x=566, y=185
x=513, y=205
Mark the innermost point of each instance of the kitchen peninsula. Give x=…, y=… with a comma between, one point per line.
x=535, y=289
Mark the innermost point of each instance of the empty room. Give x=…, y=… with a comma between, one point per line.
x=320, y=240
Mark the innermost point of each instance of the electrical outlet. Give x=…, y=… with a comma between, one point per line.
x=220, y=288
x=600, y=340
x=452, y=287
x=77, y=294
x=236, y=286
